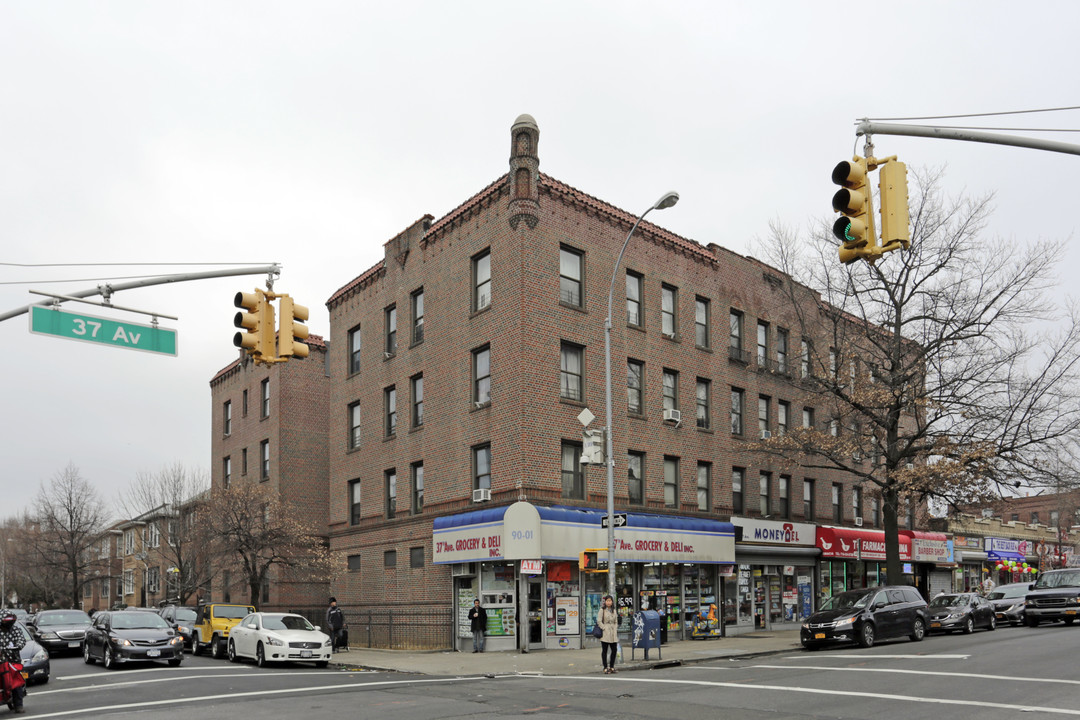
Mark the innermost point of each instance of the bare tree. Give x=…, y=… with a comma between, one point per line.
x=255, y=532
x=949, y=374
x=178, y=496
x=68, y=518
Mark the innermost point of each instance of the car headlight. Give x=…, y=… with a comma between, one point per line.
x=845, y=622
x=273, y=641
x=40, y=656
x=121, y=641
x=1015, y=607
x=50, y=636
x=183, y=629
x=176, y=640
x=328, y=642
x=1028, y=602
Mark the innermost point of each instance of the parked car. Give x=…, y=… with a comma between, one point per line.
x=279, y=637
x=960, y=611
x=1008, y=602
x=20, y=614
x=34, y=657
x=59, y=630
x=1054, y=596
x=182, y=619
x=120, y=636
x=212, y=625
x=866, y=616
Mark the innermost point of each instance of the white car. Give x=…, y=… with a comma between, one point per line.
x=278, y=637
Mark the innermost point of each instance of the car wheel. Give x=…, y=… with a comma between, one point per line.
x=175, y=662
x=233, y=657
x=993, y=622
x=86, y=654
x=217, y=648
x=322, y=663
x=969, y=626
x=260, y=656
x=107, y=658
x=918, y=630
x=866, y=635
x=196, y=647
x=1069, y=621
x=1033, y=622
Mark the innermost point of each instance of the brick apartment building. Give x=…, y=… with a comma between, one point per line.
x=270, y=425
x=462, y=362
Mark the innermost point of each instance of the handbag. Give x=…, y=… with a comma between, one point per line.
x=597, y=631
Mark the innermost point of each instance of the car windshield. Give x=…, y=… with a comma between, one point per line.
x=137, y=621
x=232, y=613
x=1008, y=591
x=286, y=622
x=1067, y=578
x=950, y=601
x=847, y=601
x=65, y=618
x=185, y=615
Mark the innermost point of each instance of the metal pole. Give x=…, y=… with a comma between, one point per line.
x=866, y=127
x=666, y=201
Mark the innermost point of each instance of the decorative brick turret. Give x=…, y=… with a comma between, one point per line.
x=524, y=172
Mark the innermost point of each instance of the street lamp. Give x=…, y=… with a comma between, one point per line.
x=666, y=201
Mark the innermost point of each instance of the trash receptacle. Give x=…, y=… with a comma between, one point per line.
x=646, y=632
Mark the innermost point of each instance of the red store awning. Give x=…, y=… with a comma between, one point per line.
x=855, y=544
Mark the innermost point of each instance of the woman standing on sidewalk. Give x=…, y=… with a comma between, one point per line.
x=608, y=620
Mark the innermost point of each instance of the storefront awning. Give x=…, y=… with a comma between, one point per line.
x=1005, y=555
x=930, y=547
x=838, y=542
x=523, y=531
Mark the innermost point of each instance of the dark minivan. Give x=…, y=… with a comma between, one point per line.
x=866, y=616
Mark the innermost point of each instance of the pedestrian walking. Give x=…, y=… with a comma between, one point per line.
x=608, y=620
x=478, y=624
x=335, y=621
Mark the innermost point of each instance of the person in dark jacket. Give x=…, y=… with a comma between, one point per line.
x=11, y=642
x=335, y=623
x=478, y=624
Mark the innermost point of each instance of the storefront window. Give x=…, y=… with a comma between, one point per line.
x=624, y=591
x=562, y=613
x=498, y=598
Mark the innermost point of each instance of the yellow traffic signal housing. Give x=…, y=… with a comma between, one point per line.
x=259, y=321
x=292, y=329
x=587, y=561
x=893, y=194
x=855, y=227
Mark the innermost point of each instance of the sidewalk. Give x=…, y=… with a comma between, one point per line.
x=565, y=662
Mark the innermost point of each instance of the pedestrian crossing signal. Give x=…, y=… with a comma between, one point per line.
x=587, y=560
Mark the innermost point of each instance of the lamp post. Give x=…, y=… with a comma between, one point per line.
x=666, y=201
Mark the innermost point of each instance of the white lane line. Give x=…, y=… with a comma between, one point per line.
x=133, y=683
x=101, y=709
x=171, y=671
x=847, y=693
x=845, y=656
x=891, y=671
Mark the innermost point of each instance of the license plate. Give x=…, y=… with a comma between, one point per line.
x=1001, y=616
x=153, y=653
x=1070, y=612
x=935, y=624
x=305, y=653
x=25, y=676
x=819, y=636
x=73, y=644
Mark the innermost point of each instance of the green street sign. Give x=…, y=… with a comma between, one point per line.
x=102, y=331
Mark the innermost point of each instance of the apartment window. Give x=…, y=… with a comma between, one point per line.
x=416, y=557
x=573, y=477
x=875, y=512
x=390, y=484
x=482, y=280
x=762, y=343
x=391, y=330
x=766, y=486
x=354, y=425
x=243, y=461
x=635, y=477
x=635, y=374
x=808, y=417
x=418, y=487
x=244, y=403
x=390, y=403
x=226, y=470
x=153, y=580
x=264, y=459
x=570, y=372
x=390, y=559
x=808, y=499
x=104, y=588
x=856, y=502
x=701, y=322
x=226, y=586
x=763, y=415
x=703, y=396
x=704, y=486
x=781, y=350
x=783, y=408
x=784, y=492
x=482, y=467
x=354, y=502
x=804, y=359
x=1034, y=518
x=669, y=302
x=482, y=375
x=418, y=316
x=417, y=401
x=153, y=535
x=353, y=562
x=634, y=283
x=129, y=582
x=1015, y=517
x=264, y=591
x=736, y=411
x=264, y=394
x=837, y=508
x=571, y=263
x=671, y=390
x=354, y=350
x=226, y=417
x=738, y=475
x=671, y=482
x=735, y=340
x=834, y=428
x=832, y=363
x=911, y=515
x=1055, y=517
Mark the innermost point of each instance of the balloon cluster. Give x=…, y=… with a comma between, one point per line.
x=1016, y=567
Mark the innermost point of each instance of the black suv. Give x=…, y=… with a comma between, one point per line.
x=1054, y=596
x=866, y=616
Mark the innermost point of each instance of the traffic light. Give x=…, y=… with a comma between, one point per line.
x=259, y=321
x=292, y=329
x=855, y=227
x=587, y=560
x=893, y=194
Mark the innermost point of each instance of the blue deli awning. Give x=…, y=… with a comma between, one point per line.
x=995, y=555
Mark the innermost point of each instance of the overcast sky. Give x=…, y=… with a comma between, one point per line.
x=309, y=133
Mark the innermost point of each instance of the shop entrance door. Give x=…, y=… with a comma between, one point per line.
x=534, y=608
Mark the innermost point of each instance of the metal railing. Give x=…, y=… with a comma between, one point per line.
x=394, y=628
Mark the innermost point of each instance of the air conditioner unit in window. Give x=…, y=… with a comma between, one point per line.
x=765, y=434
x=388, y=355
x=858, y=522
x=481, y=495
x=479, y=404
x=463, y=569
x=670, y=336
x=672, y=415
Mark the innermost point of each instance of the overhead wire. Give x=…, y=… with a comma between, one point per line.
x=989, y=114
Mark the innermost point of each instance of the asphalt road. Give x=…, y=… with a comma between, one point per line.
x=987, y=675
